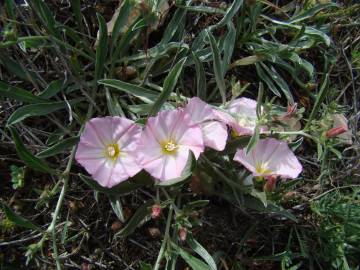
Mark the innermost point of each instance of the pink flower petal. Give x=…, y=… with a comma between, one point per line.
x=93, y=149
x=199, y=110
x=270, y=157
x=168, y=126
x=109, y=174
x=215, y=134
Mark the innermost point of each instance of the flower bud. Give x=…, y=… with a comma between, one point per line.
x=182, y=233
x=155, y=211
x=291, y=110
x=270, y=184
x=333, y=132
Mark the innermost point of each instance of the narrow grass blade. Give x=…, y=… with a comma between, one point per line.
x=18, y=220
x=115, y=202
x=59, y=147
x=26, y=156
x=192, y=261
x=168, y=87
x=18, y=94
x=38, y=110
x=201, y=251
x=217, y=65
x=121, y=20
x=144, y=94
x=200, y=77
x=76, y=8
x=308, y=13
x=141, y=213
x=101, y=50
x=52, y=89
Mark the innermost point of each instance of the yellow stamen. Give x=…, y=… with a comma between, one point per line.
x=112, y=151
x=261, y=168
x=169, y=147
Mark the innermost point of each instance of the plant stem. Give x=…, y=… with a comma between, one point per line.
x=166, y=238
x=65, y=175
x=52, y=226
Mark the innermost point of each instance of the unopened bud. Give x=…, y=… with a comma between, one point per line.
x=270, y=183
x=291, y=109
x=182, y=233
x=155, y=211
x=333, y=132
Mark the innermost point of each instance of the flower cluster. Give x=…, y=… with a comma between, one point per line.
x=113, y=149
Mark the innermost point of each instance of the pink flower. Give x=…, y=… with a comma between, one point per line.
x=166, y=142
x=240, y=114
x=270, y=157
x=106, y=149
x=214, y=132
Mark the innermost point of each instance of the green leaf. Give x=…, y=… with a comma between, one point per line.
x=177, y=20
x=145, y=266
x=47, y=17
x=115, y=202
x=64, y=232
x=217, y=66
x=26, y=42
x=121, y=20
x=280, y=82
x=192, y=261
x=201, y=251
x=59, y=147
x=200, y=77
x=18, y=220
x=259, y=195
x=257, y=205
x=228, y=47
x=53, y=88
x=101, y=49
x=310, y=31
x=10, y=8
x=158, y=51
x=266, y=79
x=113, y=105
x=14, y=67
x=202, y=9
x=308, y=13
x=26, y=156
x=229, y=14
x=139, y=24
x=196, y=204
x=18, y=94
x=141, y=213
x=38, y=110
x=146, y=95
x=76, y=8
x=253, y=140
x=168, y=87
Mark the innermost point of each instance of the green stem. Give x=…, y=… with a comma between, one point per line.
x=166, y=239
x=52, y=226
